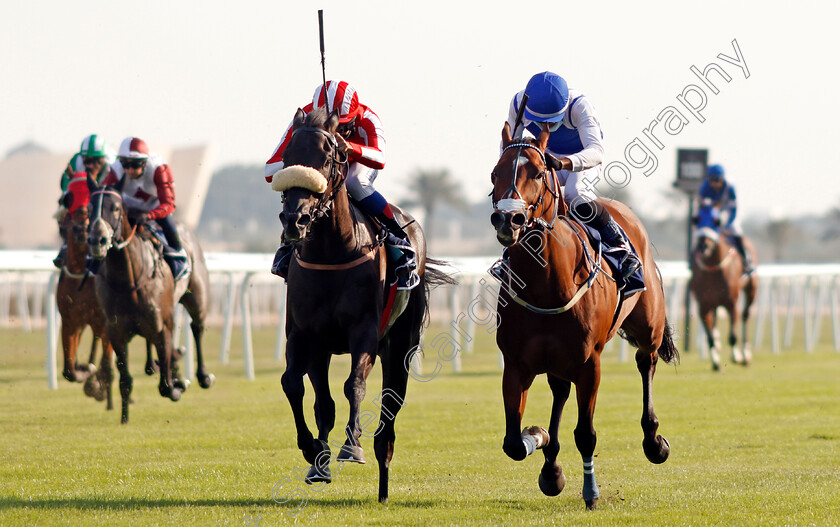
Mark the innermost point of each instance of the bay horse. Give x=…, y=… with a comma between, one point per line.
x=336, y=299
x=77, y=304
x=135, y=287
x=559, y=306
x=718, y=279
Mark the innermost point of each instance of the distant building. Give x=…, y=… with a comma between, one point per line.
x=29, y=191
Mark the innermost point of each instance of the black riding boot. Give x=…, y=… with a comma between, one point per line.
x=745, y=256
x=282, y=260
x=597, y=216
x=175, y=255
x=405, y=261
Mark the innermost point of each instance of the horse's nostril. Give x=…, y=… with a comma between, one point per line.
x=304, y=220
x=497, y=219
x=518, y=220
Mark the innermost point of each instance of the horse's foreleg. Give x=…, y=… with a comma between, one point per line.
x=106, y=371
x=734, y=319
x=93, y=342
x=655, y=446
x=708, y=315
x=205, y=378
x=292, y=382
x=126, y=382
x=586, y=388
x=516, y=445
x=551, y=478
x=354, y=389
x=324, y=403
x=70, y=341
x=749, y=298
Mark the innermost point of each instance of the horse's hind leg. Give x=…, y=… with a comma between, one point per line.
x=586, y=388
x=655, y=446
x=70, y=336
x=734, y=318
x=192, y=305
x=354, y=389
x=126, y=382
x=151, y=366
x=551, y=478
x=166, y=385
x=749, y=298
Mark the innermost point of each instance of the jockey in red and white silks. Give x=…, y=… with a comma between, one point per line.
x=361, y=135
x=575, y=140
x=149, y=194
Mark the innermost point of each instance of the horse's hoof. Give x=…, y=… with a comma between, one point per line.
x=318, y=474
x=657, y=451
x=152, y=368
x=206, y=381
x=552, y=482
x=181, y=384
x=92, y=388
x=351, y=454
x=175, y=394
x=715, y=366
x=383, y=499
x=592, y=504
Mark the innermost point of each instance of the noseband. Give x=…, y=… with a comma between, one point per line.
x=337, y=175
x=511, y=201
x=97, y=215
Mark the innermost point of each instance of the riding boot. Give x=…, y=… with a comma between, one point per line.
x=175, y=255
x=742, y=251
x=59, y=260
x=92, y=264
x=612, y=236
x=499, y=270
x=282, y=260
x=405, y=261
x=597, y=216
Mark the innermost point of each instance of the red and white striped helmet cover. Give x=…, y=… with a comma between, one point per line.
x=133, y=147
x=341, y=96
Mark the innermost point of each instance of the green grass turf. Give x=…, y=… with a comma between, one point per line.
x=750, y=446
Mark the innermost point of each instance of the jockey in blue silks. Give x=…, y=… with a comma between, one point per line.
x=719, y=194
x=575, y=141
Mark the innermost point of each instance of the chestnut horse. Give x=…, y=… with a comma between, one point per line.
x=559, y=306
x=136, y=289
x=717, y=279
x=77, y=304
x=337, y=302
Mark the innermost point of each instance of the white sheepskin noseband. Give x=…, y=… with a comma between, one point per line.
x=300, y=177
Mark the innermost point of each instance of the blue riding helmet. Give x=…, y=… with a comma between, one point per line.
x=715, y=173
x=548, y=98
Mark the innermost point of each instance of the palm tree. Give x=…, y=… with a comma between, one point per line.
x=429, y=188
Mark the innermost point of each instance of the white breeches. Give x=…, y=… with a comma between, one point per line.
x=360, y=180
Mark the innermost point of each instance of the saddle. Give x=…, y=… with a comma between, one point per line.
x=153, y=233
x=633, y=283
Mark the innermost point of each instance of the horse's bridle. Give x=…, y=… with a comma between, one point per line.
x=339, y=162
x=97, y=214
x=510, y=203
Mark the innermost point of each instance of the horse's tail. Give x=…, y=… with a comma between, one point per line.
x=434, y=277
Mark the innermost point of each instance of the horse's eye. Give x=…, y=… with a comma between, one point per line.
x=540, y=175
x=115, y=207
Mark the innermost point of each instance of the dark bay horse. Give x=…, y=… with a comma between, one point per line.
x=717, y=279
x=336, y=300
x=77, y=304
x=557, y=310
x=136, y=289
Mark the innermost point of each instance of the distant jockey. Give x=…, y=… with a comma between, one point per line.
x=95, y=158
x=576, y=141
x=149, y=194
x=717, y=193
x=361, y=136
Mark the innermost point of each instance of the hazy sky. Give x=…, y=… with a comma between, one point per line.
x=440, y=75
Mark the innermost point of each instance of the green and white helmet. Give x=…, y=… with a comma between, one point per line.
x=93, y=146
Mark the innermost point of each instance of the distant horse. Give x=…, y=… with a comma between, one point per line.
x=338, y=299
x=137, y=291
x=559, y=306
x=717, y=279
x=77, y=304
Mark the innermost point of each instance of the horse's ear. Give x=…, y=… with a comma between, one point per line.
x=121, y=183
x=507, y=138
x=542, y=140
x=91, y=184
x=298, y=119
x=332, y=121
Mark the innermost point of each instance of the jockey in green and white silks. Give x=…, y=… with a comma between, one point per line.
x=94, y=158
x=575, y=139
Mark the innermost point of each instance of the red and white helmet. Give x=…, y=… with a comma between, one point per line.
x=133, y=148
x=339, y=95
